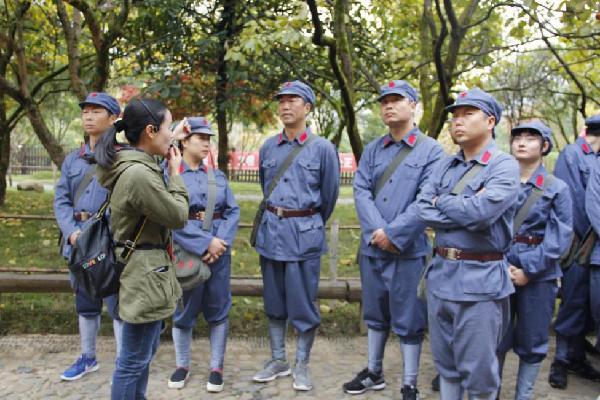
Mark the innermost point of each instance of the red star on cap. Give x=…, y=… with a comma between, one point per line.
x=203, y=121
x=539, y=181
x=94, y=94
x=392, y=84
x=463, y=94
x=288, y=84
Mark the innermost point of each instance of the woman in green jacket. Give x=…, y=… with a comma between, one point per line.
x=140, y=199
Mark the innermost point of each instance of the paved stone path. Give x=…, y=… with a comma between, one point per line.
x=30, y=367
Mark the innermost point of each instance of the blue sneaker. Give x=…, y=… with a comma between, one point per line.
x=82, y=366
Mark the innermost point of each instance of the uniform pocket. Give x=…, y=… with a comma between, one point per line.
x=478, y=278
x=160, y=289
x=310, y=235
x=311, y=170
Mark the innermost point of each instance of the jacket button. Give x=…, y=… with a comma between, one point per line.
x=390, y=181
x=385, y=199
x=285, y=179
x=281, y=199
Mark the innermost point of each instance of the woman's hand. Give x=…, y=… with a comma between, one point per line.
x=174, y=160
x=181, y=130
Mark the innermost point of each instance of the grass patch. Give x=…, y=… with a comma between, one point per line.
x=37, y=313
x=26, y=244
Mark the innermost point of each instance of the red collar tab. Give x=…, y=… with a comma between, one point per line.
x=302, y=138
x=539, y=181
x=392, y=84
x=412, y=139
x=82, y=150
x=181, y=168
x=280, y=138
x=586, y=148
x=485, y=157
x=203, y=167
x=387, y=140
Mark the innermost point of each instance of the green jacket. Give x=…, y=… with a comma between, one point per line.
x=148, y=292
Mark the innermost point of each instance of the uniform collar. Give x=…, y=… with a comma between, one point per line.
x=584, y=145
x=409, y=139
x=538, y=177
x=183, y=167
x=85, y=150
x=483, y=157
x=300, y=139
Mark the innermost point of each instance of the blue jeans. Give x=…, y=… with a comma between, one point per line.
x=140, y=342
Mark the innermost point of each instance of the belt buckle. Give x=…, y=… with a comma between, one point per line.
x=200, y=215
x=279, y=212
x=84, y=216
x=453, y=254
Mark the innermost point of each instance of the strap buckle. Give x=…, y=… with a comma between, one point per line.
x=129, y=245
x=279, y=211
x=200, y=215
x=453, y=254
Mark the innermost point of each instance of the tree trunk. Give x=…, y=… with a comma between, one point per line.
x=4, y=150
x=52, y=146
x=340, y=47
x=226, y=32
x=345, y=55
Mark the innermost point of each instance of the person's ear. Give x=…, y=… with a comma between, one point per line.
x=150, y=131
x=545, y=146
x=491, y=122
x=307, y=108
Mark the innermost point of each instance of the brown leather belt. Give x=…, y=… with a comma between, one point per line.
x=286, y=213
x=199, y=215
x=450, y=253
x=528, y=239
x=82, y=216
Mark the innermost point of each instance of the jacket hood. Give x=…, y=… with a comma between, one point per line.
x=107, y=177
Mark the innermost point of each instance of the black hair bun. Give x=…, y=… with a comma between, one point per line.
x=120, y=125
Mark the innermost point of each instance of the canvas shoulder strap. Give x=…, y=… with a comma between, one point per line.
x=533, y=197
x=469, y=175
x=85, y=181
x=286, y=164
x=391, y=168
x=211, y=200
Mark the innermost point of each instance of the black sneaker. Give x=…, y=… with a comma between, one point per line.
x=178, y=379
x=558, y=375
x=584, y=369
x=365, y=380
x=409, y=392
x=591, y=349
x=215, y=382
x=435, y=383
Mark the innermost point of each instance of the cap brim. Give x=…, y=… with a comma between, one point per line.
x=95, y=103
x=203, y=131
x=525, y=128
x=467, y=103
x=406, y=96
x=288, y=92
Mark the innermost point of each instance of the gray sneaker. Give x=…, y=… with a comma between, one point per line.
x=301, y=377
x=272, y=370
